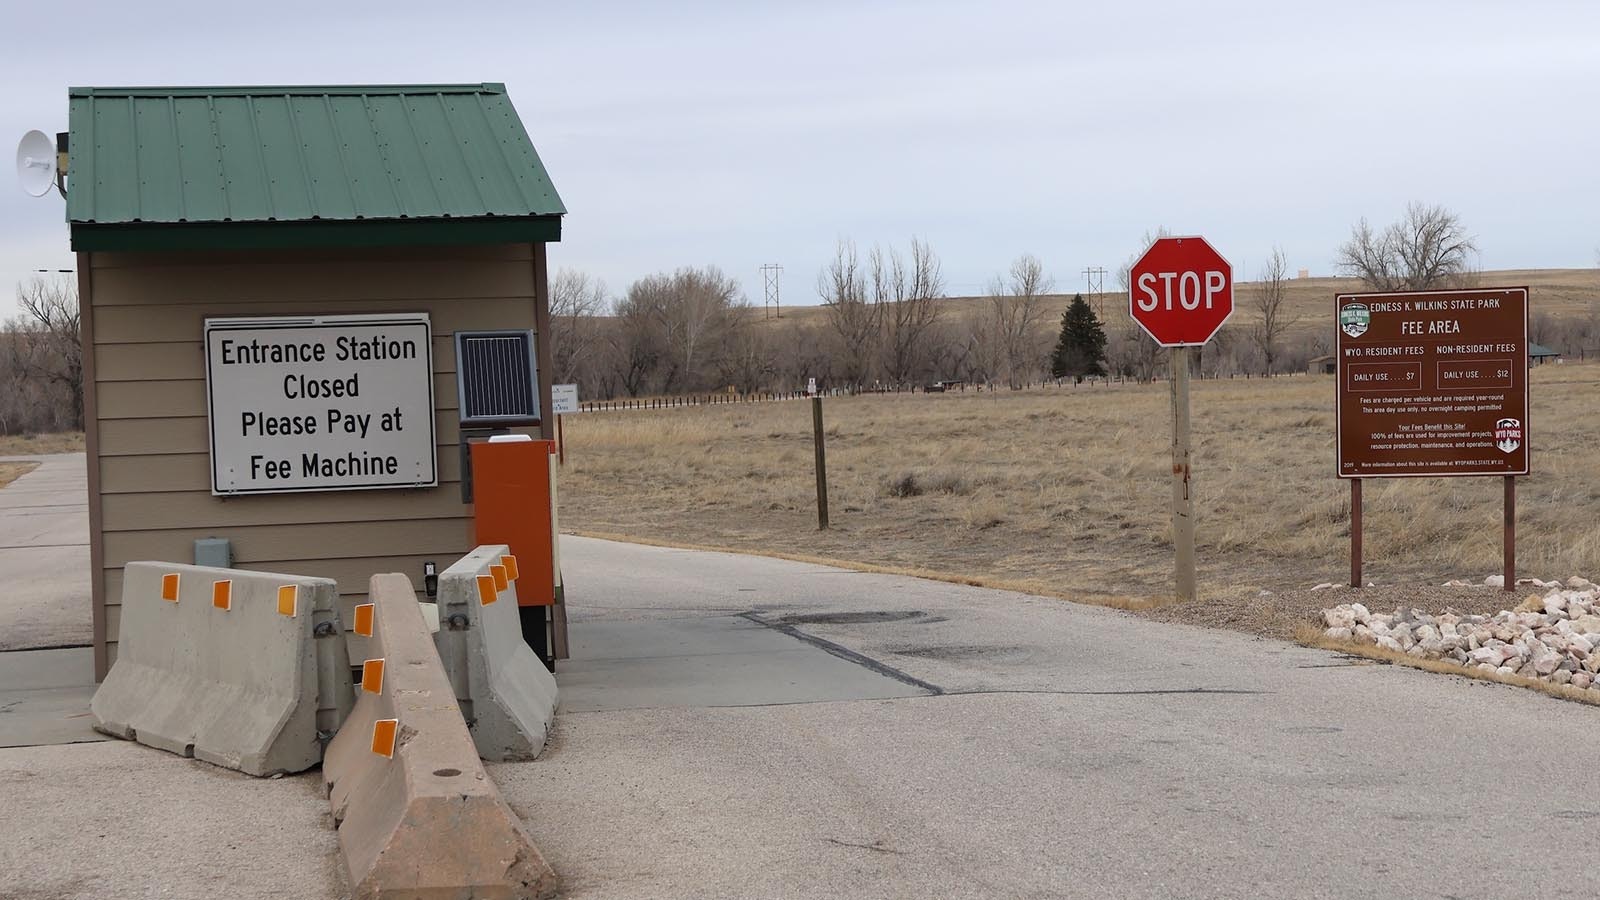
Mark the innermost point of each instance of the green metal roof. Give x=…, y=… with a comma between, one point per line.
x=228, y=167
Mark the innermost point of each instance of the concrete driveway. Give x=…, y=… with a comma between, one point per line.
x=740, y=727
x=44, y=555
x=1014, y=746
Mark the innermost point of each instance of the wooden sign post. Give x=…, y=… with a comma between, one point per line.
x=820, y=445
x=1181, y=292
x=1182, y=500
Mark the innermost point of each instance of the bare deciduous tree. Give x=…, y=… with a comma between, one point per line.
x=1428, y=248
x=1009, y=326
x=1134, y=353
x=46, y=344
x=908, y=292
x=1270, y=302
x=575, y=302
x=747, y=360
x=801, y=351
x=692, y=311
x=853, y=318
x=635, y=347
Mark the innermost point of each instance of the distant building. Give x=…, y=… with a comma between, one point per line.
x=1304, y=273
x=1322, y=365
x=1538, y=354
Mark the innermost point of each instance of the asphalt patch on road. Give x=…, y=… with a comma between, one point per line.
x=868, y=617
x=786, y=625
x=966, y=652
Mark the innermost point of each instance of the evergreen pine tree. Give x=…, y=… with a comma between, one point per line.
x=1081, y=349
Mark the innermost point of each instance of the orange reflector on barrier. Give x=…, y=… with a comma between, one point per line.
x=289, y=600
x=500, y=580
x=383, y=735
x=169, y=587
x=510, y=562
x=364, y=614
x=222, y=594
x=372, y=676
x=486, y=592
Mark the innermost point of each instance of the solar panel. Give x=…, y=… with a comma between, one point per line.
x=496, y=378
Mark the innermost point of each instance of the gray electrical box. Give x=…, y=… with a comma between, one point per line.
x=214, y=552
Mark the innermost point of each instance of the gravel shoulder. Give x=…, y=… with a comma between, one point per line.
x=1281, y=615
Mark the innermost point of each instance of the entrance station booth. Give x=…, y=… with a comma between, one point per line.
x=299, y=306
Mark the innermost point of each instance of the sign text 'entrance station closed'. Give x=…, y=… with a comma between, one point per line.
x=320, y=403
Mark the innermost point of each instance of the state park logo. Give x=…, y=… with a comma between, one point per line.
x=1508, y=435
x=1354, y=319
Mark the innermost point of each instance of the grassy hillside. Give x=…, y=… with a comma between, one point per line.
x=1562, y=293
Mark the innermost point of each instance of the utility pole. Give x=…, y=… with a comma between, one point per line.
x=769, y=284
x=1094, y=284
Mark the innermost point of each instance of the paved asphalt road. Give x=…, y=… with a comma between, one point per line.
x=1055, y=751
x=44, y=555
x=736, y=727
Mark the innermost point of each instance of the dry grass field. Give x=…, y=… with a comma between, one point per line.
x=11, y=471
x=1066, y=492
x=33, y=444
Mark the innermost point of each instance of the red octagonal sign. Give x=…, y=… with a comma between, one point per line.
x=1180, y=291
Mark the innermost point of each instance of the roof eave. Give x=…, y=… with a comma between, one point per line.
x=157, y=237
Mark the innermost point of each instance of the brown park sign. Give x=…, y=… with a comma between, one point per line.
x=1433, y=383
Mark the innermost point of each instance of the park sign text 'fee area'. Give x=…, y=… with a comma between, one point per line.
x=1433, y=383
x=320, y=403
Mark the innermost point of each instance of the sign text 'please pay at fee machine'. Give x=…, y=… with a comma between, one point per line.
x=1433, y=383
x=322, y=403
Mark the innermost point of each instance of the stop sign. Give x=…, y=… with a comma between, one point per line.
x=1180, y=291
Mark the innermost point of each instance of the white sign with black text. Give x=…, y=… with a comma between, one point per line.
x=564, y=398
x=320, y=403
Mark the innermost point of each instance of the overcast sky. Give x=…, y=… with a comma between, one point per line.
x=736, y=134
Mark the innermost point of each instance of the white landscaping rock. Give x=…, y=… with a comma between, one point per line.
x=1553, y=638
x=1339, y=617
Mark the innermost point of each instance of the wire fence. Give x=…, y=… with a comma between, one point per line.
x=687, y=400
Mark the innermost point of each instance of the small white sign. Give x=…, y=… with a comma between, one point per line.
x=564, y=398
x=320, y=403
x=811, y=386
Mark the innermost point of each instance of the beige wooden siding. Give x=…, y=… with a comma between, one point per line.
x=154, y=463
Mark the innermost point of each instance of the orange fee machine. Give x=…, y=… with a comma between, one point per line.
x=508, y=477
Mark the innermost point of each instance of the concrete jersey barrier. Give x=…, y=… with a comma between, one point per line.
x=417, y=815
x=246, y=670
x=506, y=694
